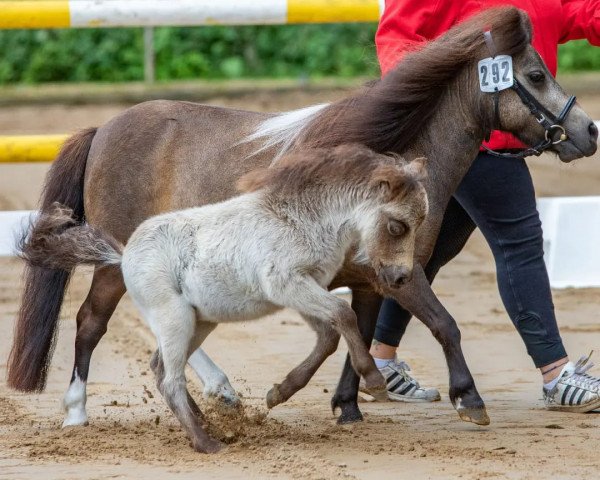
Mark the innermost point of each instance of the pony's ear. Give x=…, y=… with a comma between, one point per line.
x=417, y=169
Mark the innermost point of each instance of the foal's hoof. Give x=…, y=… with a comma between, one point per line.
x=208, y=445
x=223, y=394
x=477, y=415
x=274, y=396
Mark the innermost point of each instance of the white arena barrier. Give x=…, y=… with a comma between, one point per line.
x=11, y=224
x=571, y=240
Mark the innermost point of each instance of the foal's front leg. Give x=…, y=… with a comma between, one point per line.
x=307, y=297
x=327, y=343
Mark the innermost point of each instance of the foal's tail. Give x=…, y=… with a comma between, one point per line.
x=58, y=241
x=37, y=321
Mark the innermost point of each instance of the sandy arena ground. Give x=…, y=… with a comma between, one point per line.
x=133, y=435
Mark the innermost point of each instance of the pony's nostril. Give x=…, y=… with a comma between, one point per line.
x=593, y=129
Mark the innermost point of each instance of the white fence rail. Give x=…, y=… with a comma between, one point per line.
x=571, y=239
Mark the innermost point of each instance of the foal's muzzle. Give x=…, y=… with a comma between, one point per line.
x=395, y=276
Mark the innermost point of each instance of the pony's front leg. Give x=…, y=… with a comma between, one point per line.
x=306, y=296
x=216, y=384
x=420, y=300
x=366, y=305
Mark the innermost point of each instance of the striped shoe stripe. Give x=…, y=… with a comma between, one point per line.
x=407, y=389
x=399, y=385
x=581, y=396
x=575, y=390
x=564, y=395
x=392, y=377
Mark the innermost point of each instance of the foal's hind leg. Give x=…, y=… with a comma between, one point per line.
x=216, y=384
x=174, y=324
x=327, y=342
x=211, y=376
x=105, y=292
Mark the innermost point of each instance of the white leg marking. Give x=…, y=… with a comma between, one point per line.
x=74, y=403
x=216, y=384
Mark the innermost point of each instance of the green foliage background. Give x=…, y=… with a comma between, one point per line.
x=115, y=55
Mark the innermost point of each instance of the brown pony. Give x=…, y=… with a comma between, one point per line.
x=166, y=155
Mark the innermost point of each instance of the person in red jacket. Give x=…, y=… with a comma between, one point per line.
x=496, y=195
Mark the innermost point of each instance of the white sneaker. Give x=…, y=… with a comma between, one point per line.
x=576, y=391
x=402, y=387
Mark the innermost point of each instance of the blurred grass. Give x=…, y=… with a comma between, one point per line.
x=291, y=51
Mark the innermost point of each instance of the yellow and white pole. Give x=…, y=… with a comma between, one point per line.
x=141, y=13
x=30, y=148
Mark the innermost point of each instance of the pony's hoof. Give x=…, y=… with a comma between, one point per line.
x=75, y=418
x=379, y=393
x=351, y=416
x=274, y=396
x=478, y=415
x=350, y=411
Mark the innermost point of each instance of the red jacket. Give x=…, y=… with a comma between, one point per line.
x=407, y=23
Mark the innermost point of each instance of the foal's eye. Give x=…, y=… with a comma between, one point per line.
x=536, y=77
x=396, y=228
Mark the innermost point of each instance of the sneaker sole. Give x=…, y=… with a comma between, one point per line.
x=394, y=397
x=588, y=407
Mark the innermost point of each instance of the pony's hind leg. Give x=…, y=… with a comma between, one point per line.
x=366, y=305
x=327, y=343
x=174, y=324
x=105, y=292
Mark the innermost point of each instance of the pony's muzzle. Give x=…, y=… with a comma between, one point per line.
x=395, y=276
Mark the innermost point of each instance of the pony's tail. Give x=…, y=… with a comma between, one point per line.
x=37, y=321
x=58, y=241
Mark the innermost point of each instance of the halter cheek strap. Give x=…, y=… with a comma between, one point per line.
x=552, y=125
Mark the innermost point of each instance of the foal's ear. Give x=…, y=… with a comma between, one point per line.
x=388, y=181
x=417, y=169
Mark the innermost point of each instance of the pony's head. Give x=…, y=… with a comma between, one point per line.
x=392, y=114
x=531, y=110
x=390, y=221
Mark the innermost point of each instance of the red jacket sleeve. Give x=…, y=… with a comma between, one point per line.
x=581, y=19
x=406, y=24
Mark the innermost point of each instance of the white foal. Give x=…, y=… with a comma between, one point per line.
x=279, y=245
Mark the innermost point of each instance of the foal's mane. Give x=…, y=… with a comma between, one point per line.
x=347, y=165
x=389, y=114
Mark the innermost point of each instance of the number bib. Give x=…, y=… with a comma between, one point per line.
x=496, y=73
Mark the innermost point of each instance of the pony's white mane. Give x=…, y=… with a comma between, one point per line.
x=283, y=130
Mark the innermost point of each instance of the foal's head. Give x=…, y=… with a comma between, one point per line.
x=384, y=193
x=388, y=231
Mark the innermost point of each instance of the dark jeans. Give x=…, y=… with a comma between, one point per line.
x=497, y=195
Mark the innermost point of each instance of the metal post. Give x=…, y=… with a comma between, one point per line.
x=149, y=54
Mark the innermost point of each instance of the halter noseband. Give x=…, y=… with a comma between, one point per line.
x=544, y=117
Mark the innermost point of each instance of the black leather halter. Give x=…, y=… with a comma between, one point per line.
x=552, y=125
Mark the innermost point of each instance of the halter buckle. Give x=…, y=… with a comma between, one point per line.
x=563, y=135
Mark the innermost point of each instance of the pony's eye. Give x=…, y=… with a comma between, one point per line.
x=396, y=228
x=536, y=77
